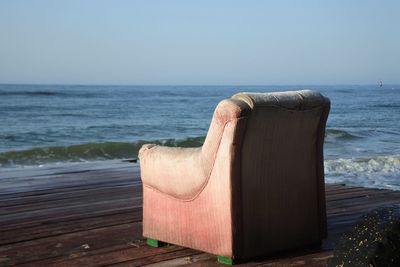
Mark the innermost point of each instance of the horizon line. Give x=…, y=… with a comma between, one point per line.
x=195, y=85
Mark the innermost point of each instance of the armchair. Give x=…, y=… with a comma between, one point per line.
x=255, y=187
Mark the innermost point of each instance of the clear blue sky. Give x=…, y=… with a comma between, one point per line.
x=199, y=42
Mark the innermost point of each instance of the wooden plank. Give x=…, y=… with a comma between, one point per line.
x=104, y=257
x=90, y=215
x=72, y=216
x=48, y=229
x=13, y=205
x=73, y=244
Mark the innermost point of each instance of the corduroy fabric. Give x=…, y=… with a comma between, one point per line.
x=293, y=100
x=256, y=186
x=279, y=190
x=203, y=222
x=183, y=172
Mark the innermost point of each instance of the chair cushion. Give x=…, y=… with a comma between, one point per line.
x=296, y=100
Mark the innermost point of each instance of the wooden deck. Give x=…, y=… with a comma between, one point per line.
x=86, y=215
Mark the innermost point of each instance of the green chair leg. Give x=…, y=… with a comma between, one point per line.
x=225, y=260
x=156, y=243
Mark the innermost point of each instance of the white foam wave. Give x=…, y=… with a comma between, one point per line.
x=378, y=172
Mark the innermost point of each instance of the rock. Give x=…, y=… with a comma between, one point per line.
x=373, y=241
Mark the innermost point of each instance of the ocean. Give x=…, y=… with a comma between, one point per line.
x=44, y=125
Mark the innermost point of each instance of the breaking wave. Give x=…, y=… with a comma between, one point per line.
x=374, y=171
x=86, y=152
x=378, y=171
x=336, y=134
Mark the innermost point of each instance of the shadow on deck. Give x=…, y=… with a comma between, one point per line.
x=89, y=215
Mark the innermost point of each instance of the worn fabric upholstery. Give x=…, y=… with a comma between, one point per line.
x=256, y=186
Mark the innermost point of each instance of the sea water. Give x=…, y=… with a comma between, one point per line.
x=51, y=124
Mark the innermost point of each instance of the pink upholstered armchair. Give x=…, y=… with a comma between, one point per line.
x=255, y=187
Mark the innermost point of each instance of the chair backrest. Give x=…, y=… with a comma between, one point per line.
x=282, y=172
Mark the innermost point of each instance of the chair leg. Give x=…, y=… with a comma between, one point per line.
x=155, y=243
x=225, y=260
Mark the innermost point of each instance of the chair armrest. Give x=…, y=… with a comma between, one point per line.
x=183, y=172
x=178, y=172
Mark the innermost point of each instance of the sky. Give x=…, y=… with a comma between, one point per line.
x=208, y=42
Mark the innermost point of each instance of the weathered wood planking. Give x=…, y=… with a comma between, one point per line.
x=90, y=215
